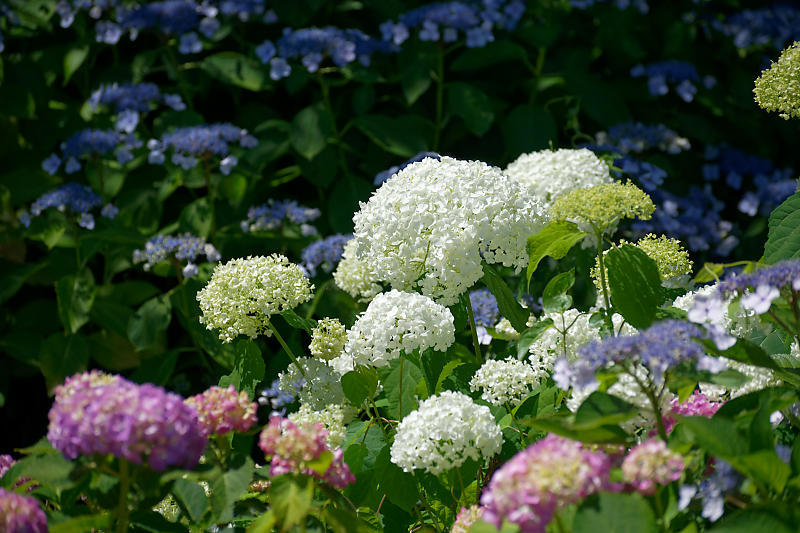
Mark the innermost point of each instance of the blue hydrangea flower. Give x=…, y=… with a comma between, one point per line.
x=650, y=176
x=712, y=491
x=91, y=142
x=640, y=5
x=637, y=137
x=185, y=247
x=278, y=398
x=380, y=177
x=273, y=215
x=682, y=76
x=484, y=307
x=447, y=21
x=777, y=26
x=128, y=100
x=193, y=143
x=74, y=199
x=325, y=253
x=778, y=276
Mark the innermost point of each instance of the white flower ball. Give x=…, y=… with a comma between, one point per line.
x=396, y=322
x=444, y=432
x=354, y=276
x=507, y=381
x=430, y=225
x=332, y=417
x=549, y=174
x=243, y=293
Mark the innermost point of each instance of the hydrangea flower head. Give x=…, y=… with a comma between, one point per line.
x=443, y=432
x=549, y=174
x=393, y=323
x=507, y=381
x=328, y=339
x=542, y=479
x=92, y=143
x=333, y=418
x=193, y=143
x=185, y=247
x=602, y=206
x=221, y=410
x=354, y=276
x=681, y=75
x=290, y=447
x=430, y=226
x=384, y=175
x=274, y=214
x=635, y=137
x=243, y=293
x=320, y=384
x=95, y=413
x=77, y=200
x=325, y=253
x=758, y=288
x=775, y=25
x=778, y=88
x=466, y=517
x=650, y=464
x=21, y=514
x=695, y=405
x=670, y=257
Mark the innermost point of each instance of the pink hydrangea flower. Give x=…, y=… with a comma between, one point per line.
x=650, y=464
x=291, y=447
x=466, y=517
x=21, y=514
x=221, y=410
x=695, y=405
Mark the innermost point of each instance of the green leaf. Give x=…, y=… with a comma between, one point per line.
x=709, y=272
x=716, y=435
x=399, y=136
x=417, y=62
x=227, y=488
x=765, y=468
x=530, y=335
x=554, y=240
x=147, y=326
x=783, y=240
x=484, y=527
x=311, y=129
x=298, y=322
x=635, y=284
x=248, y=370
x=83, y=523
x=290, y=497
x=196, y=218
x=156, y=369
x=343, y=520
x=192, y=496
x=555, y=298
x=432, y=366
x=263, y=524
x=527, y=128
x=63, y=356
x=73, y=61
x=560, y=425
x=500, y=51
x=600, y=409
x=508, y=305
x=236, y=69
x=614, y=513
x=400, y=380
x=743, y=351
x=472, y=105
x=751, y=521
x=49, y=468
x=400, y=487
x=360, y=385
x=75, y=296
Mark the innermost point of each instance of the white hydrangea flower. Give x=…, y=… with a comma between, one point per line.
x=354, y=276
x=430, y=225
x=551, y=344
x=504, y=328
x=549, y=174
x=333, y=417
x=322, y=385
x=444, y=432
x=507, y=381
x=243, y=293
x=328, y=339
x=396, y=322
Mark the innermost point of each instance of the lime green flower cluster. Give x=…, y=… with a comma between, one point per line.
x=602, y=206
x=671, y=258
x=778, y=87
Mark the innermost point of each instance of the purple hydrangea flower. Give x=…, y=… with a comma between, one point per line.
x=21, y=514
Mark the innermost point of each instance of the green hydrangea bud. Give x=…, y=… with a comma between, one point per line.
x=602, y=206
x=328, y=339
x=778, y=87
x=670, y=257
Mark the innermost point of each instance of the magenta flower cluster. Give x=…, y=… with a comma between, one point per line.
x=650, y=464
x=221, y=410
x=21, y=514
x=291, y=447
x=96, y=413
x=695, y=405
x=542, y=479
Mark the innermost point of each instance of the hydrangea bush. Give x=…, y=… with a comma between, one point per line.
x=469, y=266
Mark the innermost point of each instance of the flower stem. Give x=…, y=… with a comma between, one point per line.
x=474, y=329
x=285, y=346
x=603, y=283
x=124, y=489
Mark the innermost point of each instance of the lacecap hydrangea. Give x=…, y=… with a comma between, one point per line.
x=73, y=199
x=185, y=247
x=443, y=432
x=431, y=225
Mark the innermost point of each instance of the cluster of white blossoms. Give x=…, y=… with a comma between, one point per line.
x=333, y=417
x=431, y=224
x=355, y=276
x=553, y=343
x=507, y=381
x=444, y=432
x=549, y=174
x=243, y=293
x=328, y=339
x=321, y=385
x=396, y=322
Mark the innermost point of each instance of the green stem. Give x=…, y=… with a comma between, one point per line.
x=326, y=99
x=76, y=235
x=400, y=391
x=210, y=188
x=474, y=329
x=124, y=490
x=438, y=126
x=603, y=282
x=434, y=519
x=286, y=348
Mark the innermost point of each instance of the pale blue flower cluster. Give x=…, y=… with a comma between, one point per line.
x=682, y=76
x=640, y=5
x=777, y=25
x=484, y=307
x=449, y=21
x=278, y=398
x=273, y=215
x=712, y=491
x=130, y=99
x=325, y=253
x=92, y=143
x=185, y=247
x=74, y=199
x=193, y=143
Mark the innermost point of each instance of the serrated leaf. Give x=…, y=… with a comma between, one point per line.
x=192, y=496
x=359, y=385
x=290, y=498
x=399, y=383
x=554, y=240
x=228, y=487
x=635, y=284
x=783, y=240
x=600, y=409
x=148, y=325
x=298, y=322
x=506, y=303
x=248, y=370
x=530, y=335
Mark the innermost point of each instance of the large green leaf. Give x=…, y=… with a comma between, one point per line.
x=530, y=335
x=554, y=240
x=298, y=322
x=311, y=129
x=147, y=326
x=63, y=356
x=248, y=370
x=508, y=305
x=716, y=435
x=751, y=521
x=555, y=298
x=615, y=513
x=228, y=487
x=400, y=380
x=192, y=497
x=600, y=409
x=472, y=105
x=635, y=284
x=83, y=523
x=527, y=128
x=290, y=498
x=783, y=241
x=75, y=295
x=237, y=69
x=400, y=136
x=360, y=385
